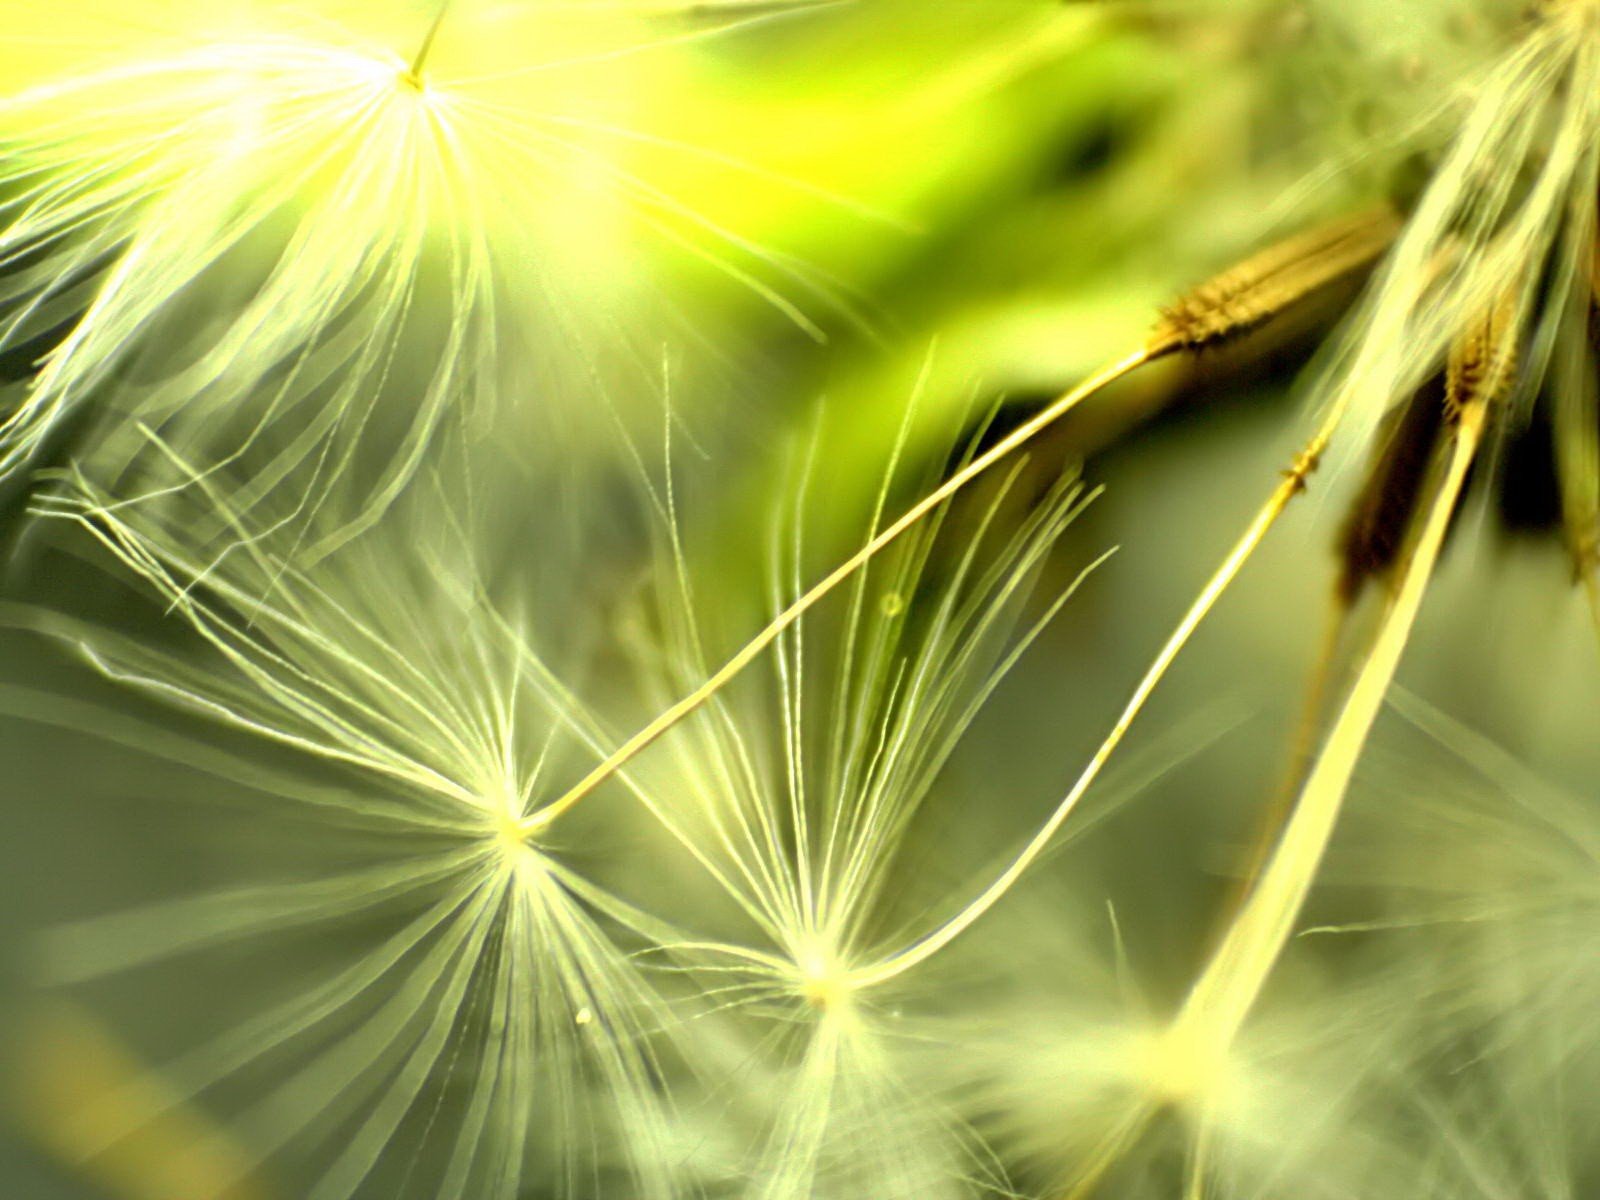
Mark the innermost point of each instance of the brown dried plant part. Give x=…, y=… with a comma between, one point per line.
x=1231, y=305
x=1374, y=530
x=1269, y=284
x=1252, y=352
x=1484, y=361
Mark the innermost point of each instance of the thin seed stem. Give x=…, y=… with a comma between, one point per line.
x=1199, y=1165
x=1232, y=303
x=1280, y=891
x=753, y=648
x=1302, y=750
x=1294, y=482
x=1231, y=983
x=414, y=72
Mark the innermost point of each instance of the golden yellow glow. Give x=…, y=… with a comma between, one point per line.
x=825, y=982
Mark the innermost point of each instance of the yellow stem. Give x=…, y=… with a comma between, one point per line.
x=1233, y=980
x=753, y=648
x=1294, y=482
x=413, y=73
x=1301, y=752
x=1199, y=1165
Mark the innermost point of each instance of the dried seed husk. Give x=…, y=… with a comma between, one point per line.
x=1271, y=282
x=1483, y=362
x=1374, y=529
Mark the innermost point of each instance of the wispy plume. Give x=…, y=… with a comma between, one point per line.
x=391, y=712
x=804, y=792
x=299, y=252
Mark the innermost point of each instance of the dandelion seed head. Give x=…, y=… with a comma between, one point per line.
x=822, y=978
x=1184, y=1067
x=304, y=260
x=438, y=723
x=797, y=790
x=511, y=838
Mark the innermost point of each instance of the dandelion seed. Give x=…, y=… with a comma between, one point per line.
x=507, y=1020
x=1443, y=285
x=1444, y=282
x=488, y=1015
x=1194, y=1051
x=176, y=171
x=300, y=261
x=1228, y=306
x=803, y=829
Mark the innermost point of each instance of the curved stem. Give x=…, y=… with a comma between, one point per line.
x=1294, y=482
x=1228, y=988
x=751, y=649
x=414, y=72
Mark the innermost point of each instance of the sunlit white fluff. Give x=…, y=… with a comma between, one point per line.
x=801, y=794
x=293, y=187
x=1080, y=1074
x=1512, y=170
x=485, y=1000
x=299, y=252
x=1504, y=905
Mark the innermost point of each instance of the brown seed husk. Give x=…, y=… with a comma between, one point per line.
x=1248, y=295
x=1483, y=361
x=1374, y=530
